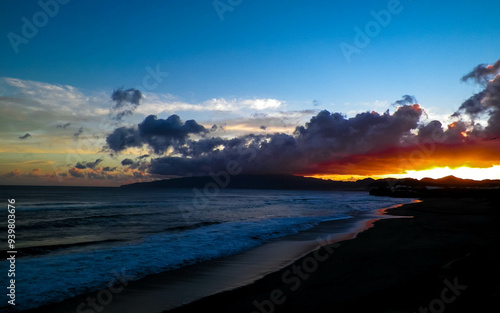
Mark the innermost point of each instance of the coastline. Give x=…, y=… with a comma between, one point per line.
x=398, y=266
x=402, y=265
x=169, y=290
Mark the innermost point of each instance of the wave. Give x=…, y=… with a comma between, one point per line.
x=41, y=250
x=191, y=226
x=80, y=221
x=226, y=227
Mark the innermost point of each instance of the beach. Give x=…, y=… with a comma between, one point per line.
x=398, y=262
x=444, y=258
x=170, y=289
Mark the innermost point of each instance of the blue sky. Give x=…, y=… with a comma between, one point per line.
x=286, y=51
x=273, y=49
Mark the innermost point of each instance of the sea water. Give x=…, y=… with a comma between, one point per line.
x=72, y=240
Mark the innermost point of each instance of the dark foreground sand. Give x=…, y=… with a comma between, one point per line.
x=445, y=259
x=441, y=260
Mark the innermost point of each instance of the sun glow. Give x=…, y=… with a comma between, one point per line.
x=463, y=172
x=460, y=172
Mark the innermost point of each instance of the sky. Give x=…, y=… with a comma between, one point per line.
x=107, y=93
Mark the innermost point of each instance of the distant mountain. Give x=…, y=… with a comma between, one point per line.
x=280, y=182
x=449, y=186
x=455, y=181
x=387, y=186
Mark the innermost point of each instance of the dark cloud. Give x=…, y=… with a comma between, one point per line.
x=91, y=165
x=215, y=128
x=24, y=136
x=326, y=137
x=75, y=172
x=263, y=127
x=405, y=100
x=206, y=163
x=139, y=163
x=123, y=138
x=483, y=72
x=326, y=140
x=486, y=101
x=78, y=133
x=433, y=131
x=80, y=166
x=158, y=134
x=127, y=162
x=63, y=125
x=126, y=101
x=333, y=134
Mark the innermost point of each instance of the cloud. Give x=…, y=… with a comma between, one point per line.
x=158, y=134
x=326, y=137
x=78, y=133
x=91, y=165
x=91, y=170
x=126, y=101
x=123, y=138
x=365, y=144
x=405, y=100
x=42, y=103
x=127, y=162
x=36, y=172
x=274, y=122
x=483, y=72
x=165, y=103
x=25, y=136
x=364, y=132
x=139, y=163
x=486, y=101
x=262, y=104
x=40, y=107
x=63, y=125
x=13, y=173
x=76, y=172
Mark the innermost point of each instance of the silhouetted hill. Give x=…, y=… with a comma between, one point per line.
x=407, y=187
x=449, y=186
x=454, y=181
x=283, y=182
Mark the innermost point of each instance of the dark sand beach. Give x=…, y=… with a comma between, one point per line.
x=399, y=265
x=444, y=259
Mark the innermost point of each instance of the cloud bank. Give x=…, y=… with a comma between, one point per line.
x=328, y=142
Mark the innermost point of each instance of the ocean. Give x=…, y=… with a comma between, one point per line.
x=72, y=240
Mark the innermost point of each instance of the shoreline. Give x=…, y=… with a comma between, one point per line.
x=399, y=266
x=402, y=265
x=172, y=289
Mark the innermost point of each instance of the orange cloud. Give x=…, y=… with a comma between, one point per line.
x=480, y=154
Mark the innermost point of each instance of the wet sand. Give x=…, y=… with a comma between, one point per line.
x=444, y=259
x=399, y=265
x=164, y=291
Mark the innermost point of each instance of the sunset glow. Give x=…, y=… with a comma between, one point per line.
x=461, y=172
x=186, y=101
